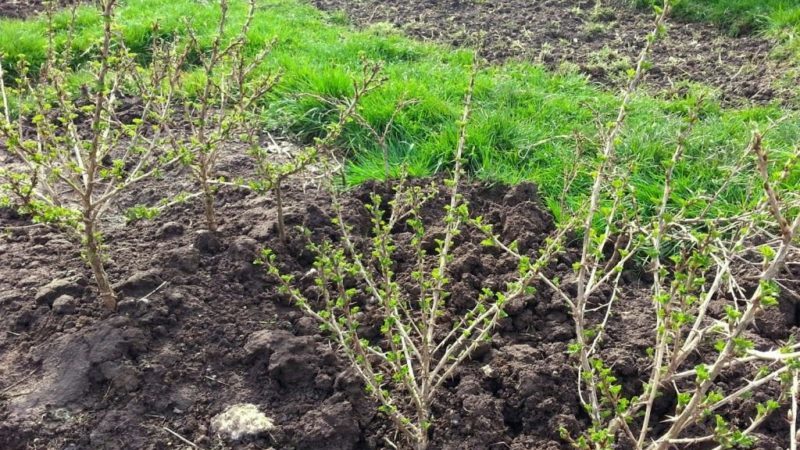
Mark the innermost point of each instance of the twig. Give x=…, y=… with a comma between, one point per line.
x=185, y=441
x=18, y=382
x=146, y=297
x=793, y=411
x=216, y=380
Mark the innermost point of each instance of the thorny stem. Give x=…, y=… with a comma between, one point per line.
x=6, y=111
x=795, y=392
x=95, y=259
x=99, y=103
x=657, y=236
x=609, y=147
x=452, y=220
x=279, y=201
x=772, y=197
x=208, y=202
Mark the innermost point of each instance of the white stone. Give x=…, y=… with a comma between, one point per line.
x=241, y=420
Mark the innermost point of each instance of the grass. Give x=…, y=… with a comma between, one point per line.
x=778, y=19
x=743, y=16
x=525, y=122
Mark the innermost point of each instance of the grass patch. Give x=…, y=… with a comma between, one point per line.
x=526, y=118
x=738, y=17
x=777, y=19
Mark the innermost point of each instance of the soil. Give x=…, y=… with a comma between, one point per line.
x=568, y=32
x=20, y=9
x=201, y=328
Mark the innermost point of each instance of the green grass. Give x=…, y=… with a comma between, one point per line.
x=743, y=16
x=737, y=17
x=525, y=117
x=778, y=19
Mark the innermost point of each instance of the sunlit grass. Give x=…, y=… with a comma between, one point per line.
x=527, y=122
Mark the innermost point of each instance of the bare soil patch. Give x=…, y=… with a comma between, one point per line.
x=202, y=328
x=555, y=32
x=20, y=9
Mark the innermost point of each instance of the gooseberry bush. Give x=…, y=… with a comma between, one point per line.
x=232, y=87
x=74, y=152
x=420, y=347
x=695, y=259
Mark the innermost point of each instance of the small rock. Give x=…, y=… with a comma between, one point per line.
x=170, y=229
x=313, y=219
x=522, y=192
x=62, y=286
x=348, y=383
x=41, y=239
x=516, y=305
x=140, y=283
x=174, y=299
x=123, y=376
x=132, y=306
x=185, y=259
x=306, y=326
x=243, y=251
x=481, y=350
x=9, y=297
x=244, y=248
x=264, y=341
x=241, y=420
x=64, y=304
x=323, y=382
x=182, y=399
x=289, y=359
x=332, y=426
x=263, y=230
x=208, y=242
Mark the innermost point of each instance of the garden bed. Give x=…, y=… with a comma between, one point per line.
x=201, y=328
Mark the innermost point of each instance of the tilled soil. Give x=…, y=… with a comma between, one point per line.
x=603, y=46
x=201, y=328
x=20, y=9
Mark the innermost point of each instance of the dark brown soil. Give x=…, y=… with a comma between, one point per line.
x=603, y=46
x=20, y=9
x=217, y=333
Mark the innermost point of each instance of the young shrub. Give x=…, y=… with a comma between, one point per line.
x=230, y=90
x=694, y=260
x=419, y=349
x=78, y=151
x=272, y=172
x=270, y=175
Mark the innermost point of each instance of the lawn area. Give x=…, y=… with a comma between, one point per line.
x=527, y=120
